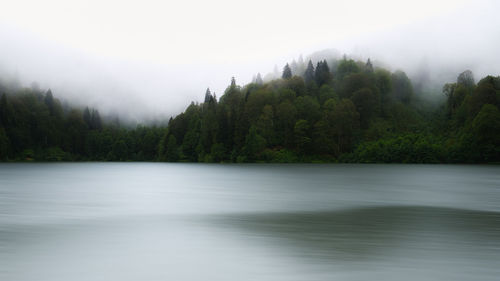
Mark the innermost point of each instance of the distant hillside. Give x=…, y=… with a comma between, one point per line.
x=335, y=110
x=339, y=110
x=35, y=126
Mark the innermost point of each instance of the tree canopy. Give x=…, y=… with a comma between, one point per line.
x=339, y=111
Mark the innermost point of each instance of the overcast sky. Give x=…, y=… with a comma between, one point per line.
x=154, y=57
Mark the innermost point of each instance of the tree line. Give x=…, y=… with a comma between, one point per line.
x=331, y=111
x=351, y=112
x=35, y=126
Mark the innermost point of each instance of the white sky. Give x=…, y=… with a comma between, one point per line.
x=154, y=57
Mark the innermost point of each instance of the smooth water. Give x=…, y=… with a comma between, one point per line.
x=152, y=221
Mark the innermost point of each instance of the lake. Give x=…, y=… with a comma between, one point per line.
x=159, y=221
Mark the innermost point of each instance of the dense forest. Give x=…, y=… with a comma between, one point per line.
x=338, y=110
x=35, y=126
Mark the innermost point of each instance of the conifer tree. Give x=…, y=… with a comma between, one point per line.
x=49, y=99
x=95, y=120
x=258, y=80
x=233, y=82
x=287, y=72
x=322, y=74
x=309, y=74
x=208, y=96
x=369, y=66
x=86, y=117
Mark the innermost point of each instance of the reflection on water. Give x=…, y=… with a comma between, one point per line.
x=249, y=222
x=369, y=233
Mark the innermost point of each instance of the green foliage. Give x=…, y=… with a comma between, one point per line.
x=297, y=85
x=326, y=92
x=322, y=74
x=406, y=148
x=55, y=154
x=345, y=68
x=402, y=89
x=352, y=113
x=354, y=82
x=287, y=72
x=281, y=156
x=291, y=119
x=466, y=79
x=33, y=126
x=254, y=145
x=486, y=131
x=369, y=66
x=366, y=105
x=217, y=153
x=172, y=153
x=302, y=137
x=346, y=124
x=308, y=108
x=383, y=83
x=486, y=92
x=309, y=74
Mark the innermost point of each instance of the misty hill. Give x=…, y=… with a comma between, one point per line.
x=335, y=109
x=35, y=126
x=342, y=110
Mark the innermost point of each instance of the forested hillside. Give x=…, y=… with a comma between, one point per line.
x=34, y=126
x=334, y=111
x=351, y=112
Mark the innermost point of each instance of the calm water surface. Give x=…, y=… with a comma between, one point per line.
x=155, y=221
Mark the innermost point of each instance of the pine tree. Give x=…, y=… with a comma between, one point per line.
x=322, y=74
x=49, y=100
x=95, y=120
x=309, y=74
x=287, y=72
x=86, y=117
x=258, y=80
x=369, y=66
x=208, y=96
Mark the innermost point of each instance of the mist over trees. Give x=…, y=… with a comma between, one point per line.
x=322, y=110
x=352, y=112
x=35, y=126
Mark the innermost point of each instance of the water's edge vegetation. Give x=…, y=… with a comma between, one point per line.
x=337, y=111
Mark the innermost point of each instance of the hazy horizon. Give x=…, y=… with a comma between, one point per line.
x=151, y=60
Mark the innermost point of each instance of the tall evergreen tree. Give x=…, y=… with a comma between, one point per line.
x=369, y=66
x=287, y=72
x=258, y=80
x=86, y=117
x=95, y=121
x=49, y=100
x=208, y=96
x=322, y=74
x=309, y=74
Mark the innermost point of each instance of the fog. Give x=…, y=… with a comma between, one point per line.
x=149, y=59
